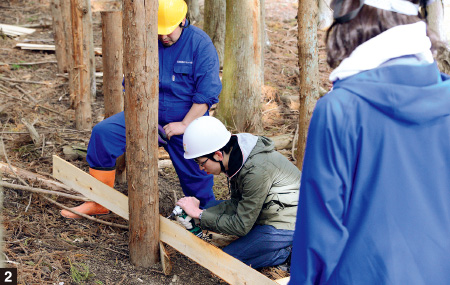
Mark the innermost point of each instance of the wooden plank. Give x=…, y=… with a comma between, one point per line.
x=11, y=30
x=212, y=258
x=283, y=281
x=90, y=187
x=97, y=51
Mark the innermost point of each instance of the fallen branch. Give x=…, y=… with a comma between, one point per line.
x=30, y=63
x=24, y=81
x=26, y=93
x=42, y=191
x=32, y=130
x=51, y=184
x=35, y=105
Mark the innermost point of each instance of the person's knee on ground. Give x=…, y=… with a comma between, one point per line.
x=93, y=208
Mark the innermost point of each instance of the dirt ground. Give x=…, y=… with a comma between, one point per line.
x=48, y=249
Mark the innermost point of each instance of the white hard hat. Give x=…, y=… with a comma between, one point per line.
x=203, y=136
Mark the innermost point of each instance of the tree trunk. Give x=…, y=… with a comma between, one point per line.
x=81, y=64
x=112, y=56
x=309, y=70
x=264, y=36
x=67, y=23
x=193, y=10
x=89, y=34
x=436, y=19
x=325, y=15
x=58, y=31
x=141, y=116
x=240, y=101
x=214, y=25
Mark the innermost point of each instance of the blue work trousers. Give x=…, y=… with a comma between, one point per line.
x=108, y=142
x=264, y=245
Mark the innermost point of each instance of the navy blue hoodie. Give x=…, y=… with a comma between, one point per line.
x=375, y=191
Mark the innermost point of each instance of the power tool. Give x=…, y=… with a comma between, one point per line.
x=193, y=228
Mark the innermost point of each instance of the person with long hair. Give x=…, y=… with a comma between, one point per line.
x=374, y=202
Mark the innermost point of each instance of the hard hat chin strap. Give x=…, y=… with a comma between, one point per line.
x=222, y=167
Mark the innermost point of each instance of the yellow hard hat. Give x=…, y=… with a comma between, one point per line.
x=170, y=14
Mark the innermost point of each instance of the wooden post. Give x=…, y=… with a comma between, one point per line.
x=58, y=30
x=112, y=56
x=141, y=116
x=89, y=42
x=67, y=24
x=308, y=54
x=81, y=65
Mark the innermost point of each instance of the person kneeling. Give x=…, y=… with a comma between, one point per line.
x=264, y=188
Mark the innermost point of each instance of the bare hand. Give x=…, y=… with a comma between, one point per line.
x=175, y=128
x=191, y=206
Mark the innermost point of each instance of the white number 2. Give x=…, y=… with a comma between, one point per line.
x=8, y=275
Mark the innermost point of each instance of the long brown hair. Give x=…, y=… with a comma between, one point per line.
x=343, y=38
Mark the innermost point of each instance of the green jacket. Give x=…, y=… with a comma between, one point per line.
x=264, y=191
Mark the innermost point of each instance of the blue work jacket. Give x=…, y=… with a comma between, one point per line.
x=188, y=73
x=375, y=191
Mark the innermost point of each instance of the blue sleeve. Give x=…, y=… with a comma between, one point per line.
x=206, y=75
x=320, y=234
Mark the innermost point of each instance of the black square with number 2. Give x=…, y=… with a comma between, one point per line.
x=8, y=276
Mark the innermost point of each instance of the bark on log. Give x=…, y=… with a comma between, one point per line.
x=141, y=70
x=112, y=45
x=81, y=64
x=58, y=31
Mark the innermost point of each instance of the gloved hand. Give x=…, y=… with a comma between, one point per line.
x=162, y=137
x=185, y=221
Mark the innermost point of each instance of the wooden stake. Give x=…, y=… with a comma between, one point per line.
x=58, y=31
x=112, y=44
x=141, y=70
x=81, y=64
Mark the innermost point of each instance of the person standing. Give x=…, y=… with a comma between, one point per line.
x=264, y=188
x=375, y=192
x=189, y=85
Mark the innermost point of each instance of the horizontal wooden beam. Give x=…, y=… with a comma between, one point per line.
x=212, y=258
x=15, y=31
x=97, y=51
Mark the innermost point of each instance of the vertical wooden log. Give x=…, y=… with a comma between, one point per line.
x=308, y=54
x=88, y=35
x=240, y=100
x=68, y=38
x=214, y=24
x=81, y=66
x=58, y=31
x=141, y=116
x=112, y=57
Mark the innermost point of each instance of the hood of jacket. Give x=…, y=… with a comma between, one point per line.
x=251, y=145
x=415, y=97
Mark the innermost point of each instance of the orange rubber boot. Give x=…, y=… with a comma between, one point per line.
x=92, y=208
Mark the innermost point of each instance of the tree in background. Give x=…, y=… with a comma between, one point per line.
x=214, y=24
x=240, y=100
x=308, y=54
x=193, y=10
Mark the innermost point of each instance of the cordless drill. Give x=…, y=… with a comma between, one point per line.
x=193, y=228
